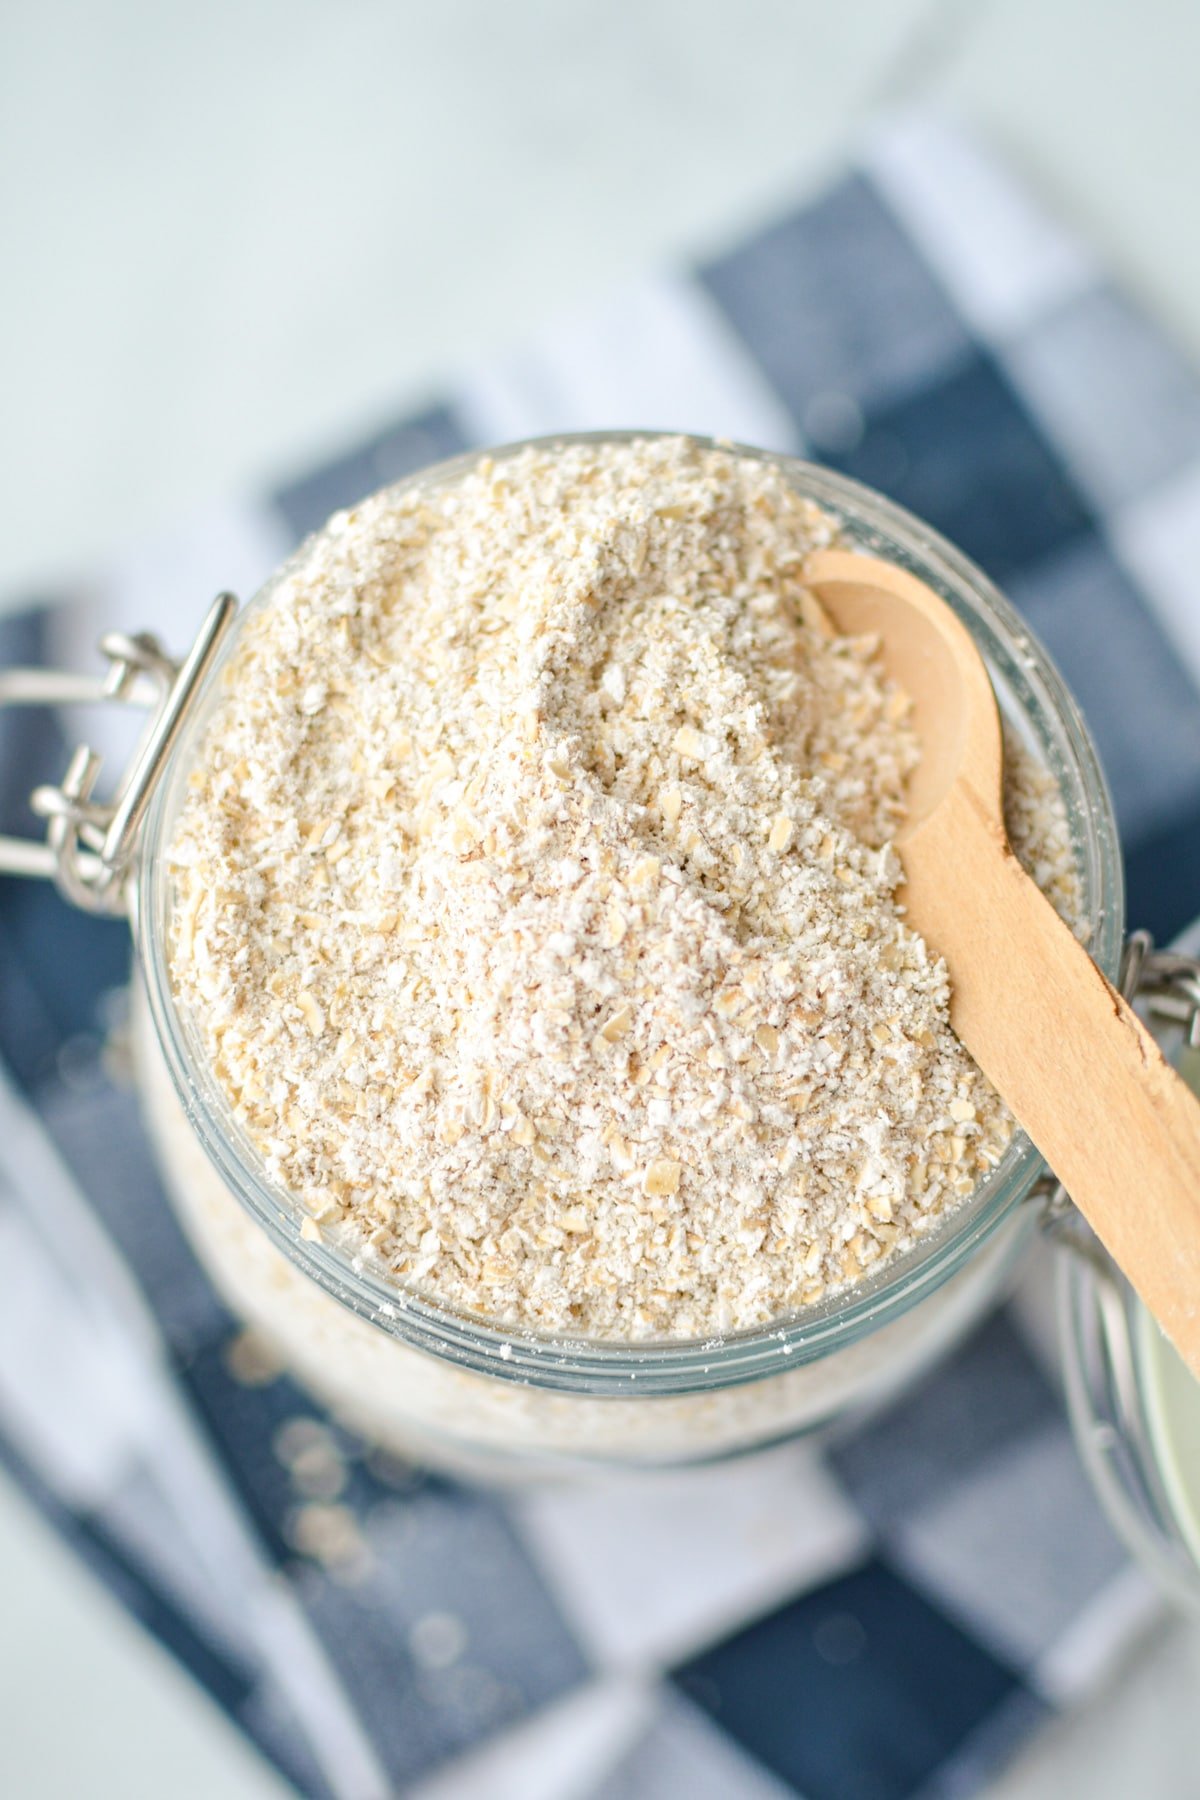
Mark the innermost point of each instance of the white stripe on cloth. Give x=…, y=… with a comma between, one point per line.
x=652, y=1566
x=86, y=1397
x=1094, y=1645
x=71, y=1396
x=1001, y=259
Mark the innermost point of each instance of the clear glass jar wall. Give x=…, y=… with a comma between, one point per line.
x=1134, y=1404
x=450, y=1388
x=1110, y=1345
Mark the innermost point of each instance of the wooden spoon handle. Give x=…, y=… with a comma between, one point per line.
x=1081, y=1073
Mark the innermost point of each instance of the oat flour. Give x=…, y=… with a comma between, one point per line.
x=534, y=902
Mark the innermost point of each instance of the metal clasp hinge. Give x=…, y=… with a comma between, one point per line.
x=89, y=848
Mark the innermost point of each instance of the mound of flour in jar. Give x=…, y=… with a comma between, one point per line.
x=535, y=904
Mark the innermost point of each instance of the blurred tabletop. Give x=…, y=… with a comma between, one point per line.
x=236, y=235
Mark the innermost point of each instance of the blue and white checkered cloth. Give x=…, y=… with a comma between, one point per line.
x=889, y=1617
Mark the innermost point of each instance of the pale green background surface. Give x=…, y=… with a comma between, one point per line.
x=235, y=235
x=1173, y=1405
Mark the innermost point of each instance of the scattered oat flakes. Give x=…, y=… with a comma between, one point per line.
x=662, y=1177
x=780, y=834
x=546, y=942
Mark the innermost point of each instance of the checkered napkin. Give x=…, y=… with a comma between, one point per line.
x=887, y=1617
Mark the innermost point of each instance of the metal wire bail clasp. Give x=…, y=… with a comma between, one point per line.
x=89, y=847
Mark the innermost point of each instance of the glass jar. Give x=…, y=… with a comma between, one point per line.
x=1134, y=1405
x=446, y=1386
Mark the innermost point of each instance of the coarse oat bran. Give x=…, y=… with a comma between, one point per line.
x=534, y=901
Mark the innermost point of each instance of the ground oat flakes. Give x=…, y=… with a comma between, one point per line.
x=534, y=902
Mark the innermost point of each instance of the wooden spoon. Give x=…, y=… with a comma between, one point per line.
x=1080, y=1072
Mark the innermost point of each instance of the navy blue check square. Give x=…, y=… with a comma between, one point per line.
x=861, y=1687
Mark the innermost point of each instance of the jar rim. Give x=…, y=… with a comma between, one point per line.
x=1026, y=679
